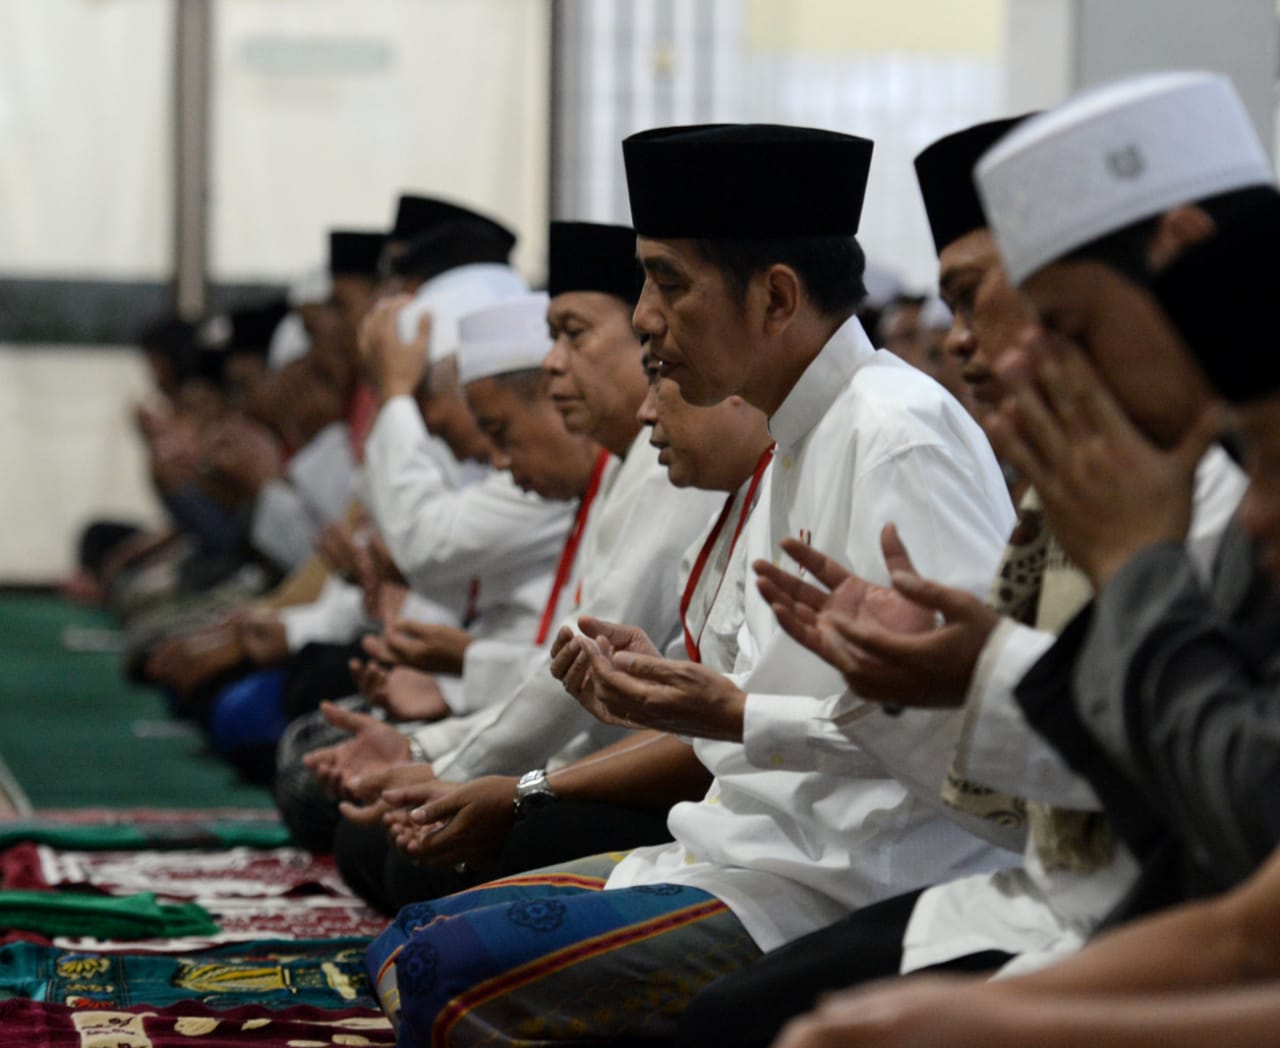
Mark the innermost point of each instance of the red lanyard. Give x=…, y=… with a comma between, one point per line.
x=699, y=565
x=570, y=551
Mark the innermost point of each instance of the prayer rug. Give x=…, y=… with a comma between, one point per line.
x=274, y=975
x=140, y=916
x=306, y=919
x=24, y=1023
x=184, y=874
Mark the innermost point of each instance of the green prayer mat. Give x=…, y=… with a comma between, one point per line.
x=213, y=833
x=74, y=732
x=272, y=974
x=79, y=914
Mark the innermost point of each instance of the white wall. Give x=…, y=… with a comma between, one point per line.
x=1057, y=47
x=68, y=452
x=85, y=139
x=324, y=110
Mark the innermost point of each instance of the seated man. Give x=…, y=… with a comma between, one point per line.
x=1203, y=973
x=290, y=508
x=621, y=564
x=1073, y=871
x=751, y=293
x=619, y=797
x=1114, y=694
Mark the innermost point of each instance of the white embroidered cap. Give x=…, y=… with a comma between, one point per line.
x=511, y=336
x=1112, y=156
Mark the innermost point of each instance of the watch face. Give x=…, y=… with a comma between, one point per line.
x=532, y=792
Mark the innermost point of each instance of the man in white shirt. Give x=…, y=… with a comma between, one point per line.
x=316, y=488
x=1157, y=692
x=624, y=566
x=746, y=235
x=979, y=922
x=619, y=797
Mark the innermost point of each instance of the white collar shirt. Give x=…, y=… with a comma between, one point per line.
x=862, y=440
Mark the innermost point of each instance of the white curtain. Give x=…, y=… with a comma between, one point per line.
x=324, y=110
x=68, y=452
x=85, y=133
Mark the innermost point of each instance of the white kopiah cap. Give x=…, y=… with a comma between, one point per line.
x=511, y=336
x=1113, y=156
x=451, y=296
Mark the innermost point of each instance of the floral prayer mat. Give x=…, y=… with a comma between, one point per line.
x=185, y=874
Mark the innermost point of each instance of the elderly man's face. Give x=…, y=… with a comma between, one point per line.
x=714, y=447
x=529, y=438
x=593, y=370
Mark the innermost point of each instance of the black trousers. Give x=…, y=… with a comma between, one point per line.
x=558, y=833
x=751, y=1006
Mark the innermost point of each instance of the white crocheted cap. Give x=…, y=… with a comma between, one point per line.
x=1113, y=156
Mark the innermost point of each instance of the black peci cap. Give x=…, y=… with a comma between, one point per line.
x=454, y=243
x=945, y=173
x=253, y=326
x=735, y=181
x=355, y=254
x=416, y=215
x=585, y=256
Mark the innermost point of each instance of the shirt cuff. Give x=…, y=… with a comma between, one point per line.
x=998, y=747
x=776, y=730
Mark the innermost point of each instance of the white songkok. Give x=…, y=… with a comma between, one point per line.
x=511, y=336
x=1113, y=156
x=450, y=297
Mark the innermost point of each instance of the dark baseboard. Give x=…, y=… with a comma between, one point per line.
x=99, y=312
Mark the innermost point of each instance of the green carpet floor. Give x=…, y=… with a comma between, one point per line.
x=74, y=734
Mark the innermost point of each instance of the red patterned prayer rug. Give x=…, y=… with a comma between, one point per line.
x=25, y=1023
x=279, y=894
x=182, y=874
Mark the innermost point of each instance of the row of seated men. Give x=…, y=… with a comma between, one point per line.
x=749, y=672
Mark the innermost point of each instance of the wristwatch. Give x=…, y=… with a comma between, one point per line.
x=532, y=792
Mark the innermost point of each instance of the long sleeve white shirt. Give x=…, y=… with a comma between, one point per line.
x=1037, y=913
x=862, y=440
x=629, y=558
x=316, y=489
x=446, y=538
